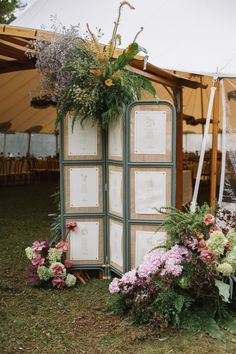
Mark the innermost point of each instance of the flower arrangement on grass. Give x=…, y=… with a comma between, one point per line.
x=186, y=284
x=48, y=266
x=88, y=78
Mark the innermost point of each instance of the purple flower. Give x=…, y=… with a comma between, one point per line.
x=114, y=287
x=129, y=278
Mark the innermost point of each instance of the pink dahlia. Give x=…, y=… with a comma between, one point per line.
x=58, y=282
x=62, y=246
x=209, y=219
x=37, y=261
x=39, y=246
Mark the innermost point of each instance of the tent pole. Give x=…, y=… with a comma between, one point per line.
x=202, y=107
x=4, y=143
x=214, y=147
x=223, y=143
x=203, y=148
x=178, y=94
x=29, y=143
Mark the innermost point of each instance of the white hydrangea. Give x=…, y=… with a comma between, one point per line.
x=30, y=254
x=226, y=269
x=70, y=280
x=54, y=255
x=43, y=273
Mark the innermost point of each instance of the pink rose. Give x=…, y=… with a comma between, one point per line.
x=38, y=246
x=62, y=246
x=71, y=225
x=215, y=228
x=68, y=263
x=37, y=261
x=209, y=219
x=202, y=244
x=206, y=255
x=57, y=269
x=58, y=282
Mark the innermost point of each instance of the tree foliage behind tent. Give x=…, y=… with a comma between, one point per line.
x=7, y=8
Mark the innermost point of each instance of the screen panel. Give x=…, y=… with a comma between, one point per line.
x=151, y=133
x=116, y=244
x=83, y=188
x=86, y=242
x=82, y=142
x=150, y=189
x=143, y=238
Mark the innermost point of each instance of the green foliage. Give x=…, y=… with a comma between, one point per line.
x=181, y=224
x=55, y=226
x=228, y=323
x=170, y=304
x=7, y=9
x=117, y=304
x=201, y=320
x=209, y=325
x=223, y=290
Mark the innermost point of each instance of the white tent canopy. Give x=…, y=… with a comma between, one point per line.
x=184, y=35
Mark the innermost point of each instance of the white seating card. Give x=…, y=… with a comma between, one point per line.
x=150, y=191
x=82, y=140
x=115, y=192
x=146, y=241
x=150, y=132
x=84, y=241
x=116, y=243
x=84, y=187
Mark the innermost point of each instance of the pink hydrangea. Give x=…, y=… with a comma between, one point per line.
x=58, y=282
x=39, y=246
x=38, y=261
x=152, y=262
x=114, y=287
x=71, y=225
x=164, y=262
x=129, y=278
x=62, y=246
x=209, y=219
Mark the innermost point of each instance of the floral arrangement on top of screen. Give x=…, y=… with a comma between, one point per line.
x=85, y=77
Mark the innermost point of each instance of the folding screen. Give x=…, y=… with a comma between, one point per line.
x=113, y=184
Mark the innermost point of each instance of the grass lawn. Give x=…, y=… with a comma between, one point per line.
x=72, y=320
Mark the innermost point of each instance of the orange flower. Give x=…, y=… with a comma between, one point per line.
x=108, y=82
x=96, y=72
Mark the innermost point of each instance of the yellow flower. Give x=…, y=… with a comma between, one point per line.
x=108, y=82
x=96, y=72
